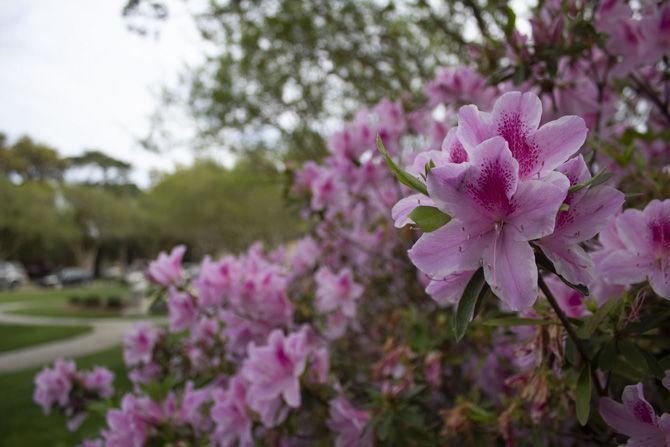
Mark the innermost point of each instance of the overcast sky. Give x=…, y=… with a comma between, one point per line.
x=74, y=77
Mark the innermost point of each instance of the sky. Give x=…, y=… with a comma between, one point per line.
x=74, y=77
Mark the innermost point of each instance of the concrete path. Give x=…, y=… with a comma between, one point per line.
x=106, y=333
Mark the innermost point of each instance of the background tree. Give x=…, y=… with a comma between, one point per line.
x=282, y=72
x=111, y=170
x=28, y=160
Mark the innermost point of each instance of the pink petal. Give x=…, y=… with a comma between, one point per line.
x=623, y=267
x=526, y=106
x=659, y=277
x=473, y=127
x=536, y=204
x=401, y=210
x=454, y=148
x=635, y=404
x=447, y=189
x=449, y=249
x=510, y=270
x=570, y=260
x=558, y=140
x=616, y=416
x=633, y=231
x=589, y=215
x=450, y=289
x=292, y=393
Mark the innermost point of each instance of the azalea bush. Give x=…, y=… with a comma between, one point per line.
x=490, y=266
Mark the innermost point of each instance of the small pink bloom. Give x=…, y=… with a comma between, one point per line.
x=138, y=345
x=349, y=424
x=229, y=413
x=181, y=307
x=167, y=270
x=337, y=291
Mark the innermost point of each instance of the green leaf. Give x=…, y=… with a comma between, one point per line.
x=598, y=179
x=608, y=355
x=468, y=302
x=583, y=395
x=428, y=218
x=517, y=321
x=402, y=176
x=592, y=324
x=564, y=207
x=633, y=355
x=653, y=365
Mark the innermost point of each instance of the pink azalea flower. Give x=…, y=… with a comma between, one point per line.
x=181, y=307
x=337, y=291
x=167, y=270
x=494, y=215
x=214, y=281
x=273, y=372
x=645, y=236
x=99, y=381
x=516, y=118
x=53, y=385
x=191, y=409
x=589, y=210
x=138, y=346
x=433, y=368
x=229, y=413
x=571, y=301
x=636, y=418
x=349, y=424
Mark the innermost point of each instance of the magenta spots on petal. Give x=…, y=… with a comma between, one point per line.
x=642, y=412
x=457, y=153
x=660, y=234
x=515, y=132
x=491, y=187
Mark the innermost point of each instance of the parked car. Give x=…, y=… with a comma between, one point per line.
x=12, y=275
x=74, y=275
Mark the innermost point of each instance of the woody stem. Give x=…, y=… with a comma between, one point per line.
x=571, y=332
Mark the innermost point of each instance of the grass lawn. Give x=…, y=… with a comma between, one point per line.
x=22, y=423
x=15, y=336
x=55, y=303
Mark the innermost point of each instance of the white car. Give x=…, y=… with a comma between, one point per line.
x=12, y=275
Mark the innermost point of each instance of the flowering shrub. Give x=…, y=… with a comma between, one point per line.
x=507, y=184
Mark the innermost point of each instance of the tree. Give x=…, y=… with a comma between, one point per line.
x=29, y=160
x=112, y=170
x=283, y=71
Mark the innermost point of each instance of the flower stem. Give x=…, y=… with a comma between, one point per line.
x=571, y=332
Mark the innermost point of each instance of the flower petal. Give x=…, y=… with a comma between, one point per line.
x=401, y=210
x=473, y=127
x=526, y=106
x=635, y=404
x=558, y=140
x=569, y=259
x=450, y=289
x=446, y=188
x=623, y=267
x=659, y=277
x=585, y=218
x=449, y=249
x=633, y=231
x=536, y=204
x=616, y=416
x=510, y=270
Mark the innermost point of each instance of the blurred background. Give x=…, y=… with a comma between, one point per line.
x=130, y=126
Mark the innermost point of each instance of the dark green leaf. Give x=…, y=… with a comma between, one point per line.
x=571, y=353
x=468, y=302
x=583, y=395
x=428, y=218
x=633, y=355
x=402, y=176
x=597, y=318
x=517, y=321
x=608, y=355
x=653, y=365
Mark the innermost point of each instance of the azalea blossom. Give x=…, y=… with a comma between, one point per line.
x=636, y=418
x=167, y=269
x=139, y=344
x=494, y=215
x=349, y=423
x=645, y=251
x=589, y=209
x=337, y=291
x=230, y=414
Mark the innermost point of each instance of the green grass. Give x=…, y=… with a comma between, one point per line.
x=55, y=303
x=15, y=336
x=22, y=423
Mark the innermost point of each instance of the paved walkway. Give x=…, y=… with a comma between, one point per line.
x=106, y=333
